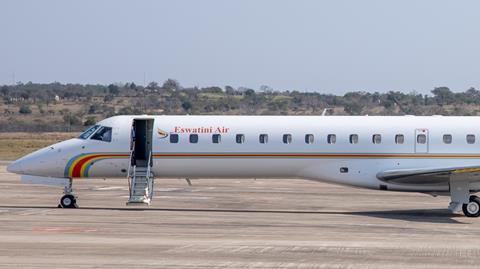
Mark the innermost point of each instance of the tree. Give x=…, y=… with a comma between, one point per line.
x=353, y=108
x=472, y=95
x=5, y=91
x=152, y=86
x=113, y=89
x=229, y=90
x=187, y=106
x=266, y=89
x=443, y=96
x=171, y=84
x=249, y=92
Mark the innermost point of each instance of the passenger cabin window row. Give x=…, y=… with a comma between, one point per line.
x=104, y=134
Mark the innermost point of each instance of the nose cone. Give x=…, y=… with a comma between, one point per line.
x=15, y=167
x=43, y=162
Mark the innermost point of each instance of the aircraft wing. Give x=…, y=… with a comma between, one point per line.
x=429, y=176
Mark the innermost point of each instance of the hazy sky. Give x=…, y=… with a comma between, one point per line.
x=329, y=46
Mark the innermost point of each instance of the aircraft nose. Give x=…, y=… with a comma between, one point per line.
x=15, y=167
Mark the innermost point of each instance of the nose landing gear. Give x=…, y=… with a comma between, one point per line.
x=69, y=200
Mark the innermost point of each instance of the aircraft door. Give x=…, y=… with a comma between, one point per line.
x=141, y=144
x=421, y=141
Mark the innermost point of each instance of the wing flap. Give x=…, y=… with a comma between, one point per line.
x=428, y=176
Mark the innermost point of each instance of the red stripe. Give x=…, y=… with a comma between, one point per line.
x=319, y=155
x=78, y=167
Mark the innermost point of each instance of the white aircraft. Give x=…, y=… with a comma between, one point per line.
x=435, y=155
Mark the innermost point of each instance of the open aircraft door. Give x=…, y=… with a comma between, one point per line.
x=421, y=141
x=140, y=175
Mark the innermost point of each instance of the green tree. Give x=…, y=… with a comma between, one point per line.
x=171, y=84
x=113, y=89
x=353, y=108
x=152, y=86
x=187, y=106
x=443, y=96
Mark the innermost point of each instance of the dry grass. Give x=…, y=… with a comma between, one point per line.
x=16, y=145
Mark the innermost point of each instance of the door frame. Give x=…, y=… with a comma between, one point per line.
x=421, y=148
x=150, y=122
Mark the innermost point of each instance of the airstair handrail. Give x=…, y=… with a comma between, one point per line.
x=148, y=174
x=130, y=163
x=129, y=176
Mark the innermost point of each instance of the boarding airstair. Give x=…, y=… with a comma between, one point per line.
x=141, y=181
x=140, y=174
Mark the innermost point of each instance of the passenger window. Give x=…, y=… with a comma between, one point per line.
x=309, y=138
x=471, y=139
x=399, y=139
x=216, y=138
x=263, y=138
x=287, y=138
x=193, y=138
x=174, y=138
x=447, y=139
x=240, y=138
x=353, y=139
x=103, y=134
x=376, y=139
x=331, y=139
x=421, y=139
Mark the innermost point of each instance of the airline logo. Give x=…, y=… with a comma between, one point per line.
x=161, y=133
x=80, y=165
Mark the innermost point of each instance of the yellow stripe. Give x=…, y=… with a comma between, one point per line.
x=85, y=165
x=466, y=170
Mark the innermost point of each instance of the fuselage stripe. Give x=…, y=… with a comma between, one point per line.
x=79, y=165
x=308, y=155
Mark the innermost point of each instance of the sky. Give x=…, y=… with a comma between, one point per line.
x=327, y=46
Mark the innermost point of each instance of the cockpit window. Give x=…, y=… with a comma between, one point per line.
x=89, y=132
x=103, y=134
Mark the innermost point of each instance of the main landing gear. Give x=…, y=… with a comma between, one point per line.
x=68, y=200
x=461, y=198
x=472, y=209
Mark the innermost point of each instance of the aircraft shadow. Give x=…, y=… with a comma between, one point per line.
x=417, y=215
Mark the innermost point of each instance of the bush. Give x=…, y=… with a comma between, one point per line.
x=90, y=121
x=24, y=109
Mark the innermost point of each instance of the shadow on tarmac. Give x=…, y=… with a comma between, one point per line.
x=418, y=215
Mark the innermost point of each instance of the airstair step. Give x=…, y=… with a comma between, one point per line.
x=141, y=183
x=138, y=200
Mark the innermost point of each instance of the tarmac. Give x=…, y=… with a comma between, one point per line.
x=220, y=223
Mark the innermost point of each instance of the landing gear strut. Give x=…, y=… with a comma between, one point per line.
x=461, y=198
x=472, y=209
x=69, y=200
